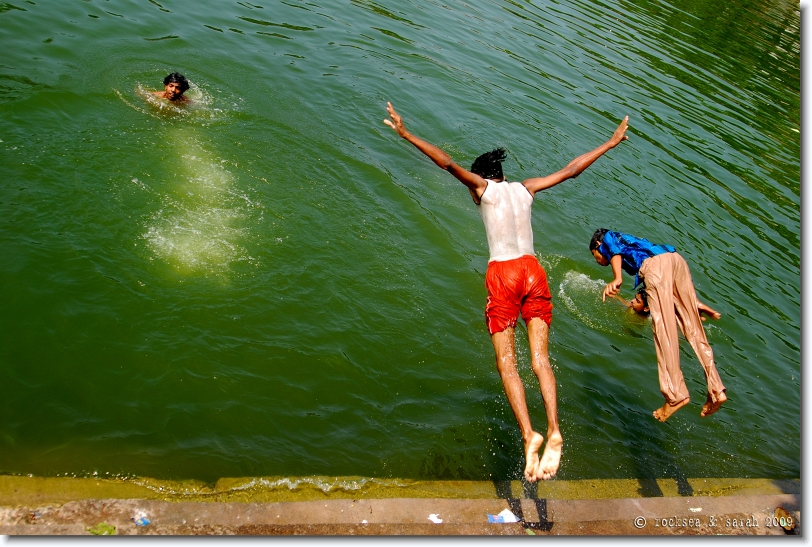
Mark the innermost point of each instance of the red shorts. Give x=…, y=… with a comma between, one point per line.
x=513, y=286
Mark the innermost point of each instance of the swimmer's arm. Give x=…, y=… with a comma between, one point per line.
x=476, y=185
x=613, y=287
x=623, y=301
x=579, y=164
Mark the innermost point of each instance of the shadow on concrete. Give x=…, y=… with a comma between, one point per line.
x=530, y=491
x=788, y=486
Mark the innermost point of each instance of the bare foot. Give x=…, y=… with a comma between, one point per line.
x=668, y=410
x=531, y=454
x=710, y=407
x=704, y=309
x=548, y=466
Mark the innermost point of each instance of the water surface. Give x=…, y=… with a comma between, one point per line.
x=269, y=282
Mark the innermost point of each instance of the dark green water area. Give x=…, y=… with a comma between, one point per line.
x=269, y=283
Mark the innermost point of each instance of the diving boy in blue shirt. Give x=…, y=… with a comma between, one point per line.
x=672, y=301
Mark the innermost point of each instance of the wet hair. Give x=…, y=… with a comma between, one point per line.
x=177, y=78
x=597, y=239
x=489, y=164
x=641, y=290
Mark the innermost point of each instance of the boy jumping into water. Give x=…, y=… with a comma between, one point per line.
x=515, y=280
x=672, y=301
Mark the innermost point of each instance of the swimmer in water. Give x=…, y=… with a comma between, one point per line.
x=515, y=280
x=175, y=85
x=640, y=305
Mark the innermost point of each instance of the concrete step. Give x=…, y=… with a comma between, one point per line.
x=695, y=515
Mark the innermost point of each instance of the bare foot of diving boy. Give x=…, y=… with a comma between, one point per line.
x=668, y=410
x=710, y=407
x=704, y=309
x=531, y=454
x=548, y=466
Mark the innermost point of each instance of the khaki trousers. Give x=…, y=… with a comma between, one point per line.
x=672, y=301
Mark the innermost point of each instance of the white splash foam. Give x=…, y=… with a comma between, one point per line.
x=324, y=484
x=197, y=229
x=578, y=284
x=201, y=106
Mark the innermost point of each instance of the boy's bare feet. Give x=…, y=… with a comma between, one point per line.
x=531, y=454
x=704, y=309
x=710, y=407
x=548, y=466
x=668, y=410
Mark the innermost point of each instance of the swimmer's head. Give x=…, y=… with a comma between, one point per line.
x=174, y=86
x=489, y=165
x=640, y=302
x=179, y=79
x=595, y=243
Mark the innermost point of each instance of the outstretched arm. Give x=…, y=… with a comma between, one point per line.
x=579, y=164
x=475, y=184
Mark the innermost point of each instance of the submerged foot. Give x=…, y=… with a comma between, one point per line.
x=710, y=406
x=548, y=466
x=668, y=410
x=531, y=454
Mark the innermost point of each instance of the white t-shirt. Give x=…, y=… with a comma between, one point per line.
x=505, y=210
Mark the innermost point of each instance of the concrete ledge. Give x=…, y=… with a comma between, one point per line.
x=740, y=515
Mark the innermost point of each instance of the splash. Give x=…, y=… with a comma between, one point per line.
x=321, y=483
x=581, y=295
x=200, y=108
x=272, y=488
x=198, y=227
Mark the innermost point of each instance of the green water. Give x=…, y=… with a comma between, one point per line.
x=270, y=283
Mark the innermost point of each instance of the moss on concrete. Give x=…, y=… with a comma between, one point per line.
x=32, y=491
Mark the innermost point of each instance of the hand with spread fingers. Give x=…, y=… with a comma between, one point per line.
x=396, y=122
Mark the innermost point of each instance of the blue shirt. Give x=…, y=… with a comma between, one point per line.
x=633, y=251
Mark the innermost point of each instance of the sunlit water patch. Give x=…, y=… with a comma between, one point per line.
x=201, y=221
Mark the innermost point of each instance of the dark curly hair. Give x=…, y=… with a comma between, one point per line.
x=178, y=79
x=597, y=239
x=489, y=164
